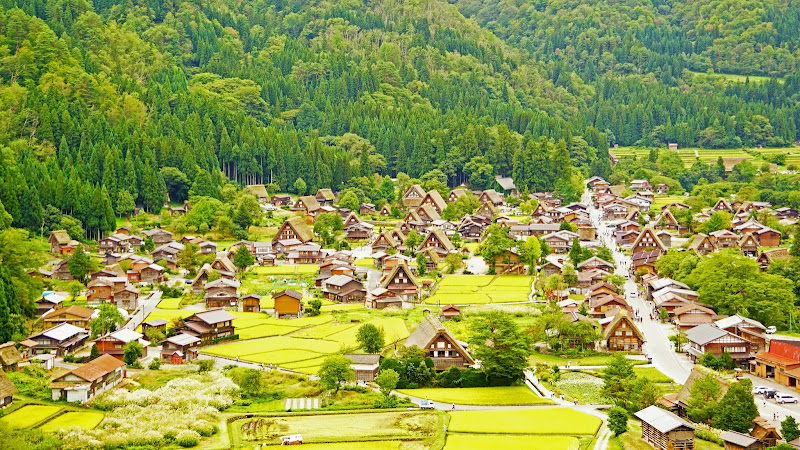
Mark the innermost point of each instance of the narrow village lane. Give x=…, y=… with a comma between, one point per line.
x=658, y=346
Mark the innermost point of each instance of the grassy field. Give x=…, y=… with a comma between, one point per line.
x=365, y=262
x=596, y=360
x=514, y=395
x=582, y=386
x=84, y=420
x=503, y=442
x=305, y=350
x=30, y=415
x=481, y=289
x=170, y=303
x=371, y=445
x=547, y=421
x=287, y=269
x=734, y=78
x=662, y=200
x=333, y=428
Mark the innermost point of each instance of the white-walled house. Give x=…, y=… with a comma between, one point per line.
x=91, y=379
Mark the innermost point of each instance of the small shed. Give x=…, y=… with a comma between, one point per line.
x=664, y=430
x=250, y=303
x=765, y=432
x=738, y=441
x=365, y=365
x=288, y=303
x=449, y=311
x=9, y=357
x=7, y=390
x=159, y=324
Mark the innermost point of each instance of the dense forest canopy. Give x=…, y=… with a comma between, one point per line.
x=109, y=105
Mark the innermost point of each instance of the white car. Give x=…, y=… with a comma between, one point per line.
x=759, y=390
x=771, y=329
x=784, y=398
x=426, y=404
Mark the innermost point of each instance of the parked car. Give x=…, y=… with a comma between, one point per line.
x=292, y=439
x=771, y=329
x=785, y=398
x=426, y=404
x=770, y=393
x=759, y=390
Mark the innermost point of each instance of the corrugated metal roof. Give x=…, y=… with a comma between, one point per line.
x=661, y=419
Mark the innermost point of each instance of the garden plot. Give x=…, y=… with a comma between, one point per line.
x=586, y=388
x=83, y=420
x=544, y=421
x=30, y=415
x=510, y=442
x=170, y=303
x=333, y=428
x=483, y=289
x=345, y=333
x=287, y=269
x=501, y=396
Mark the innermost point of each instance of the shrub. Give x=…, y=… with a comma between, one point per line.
x=155, y=364
x=187, y=438
x=205, y=428
x=708, y=435
x=205, y=365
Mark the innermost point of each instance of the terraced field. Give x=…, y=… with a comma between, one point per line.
x=83, y=420
x=305, y=350
x=30, y=415
x=481, y=289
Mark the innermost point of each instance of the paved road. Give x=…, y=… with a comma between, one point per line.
x=146, y=306
x=658, y=345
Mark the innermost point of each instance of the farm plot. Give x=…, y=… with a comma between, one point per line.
x=483, y=289
x=586, y=388
x=170, y=303
x=510, y=442
x=504, y=396
x=30, y=415
x=547, y=421
x=333, y=428
x=287, y=269
x=83, y=420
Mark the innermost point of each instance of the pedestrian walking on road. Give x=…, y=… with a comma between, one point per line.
x=454, y=406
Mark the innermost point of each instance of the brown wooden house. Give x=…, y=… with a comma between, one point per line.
x=209, y=325
x=7, y=390
x=449, y=311
x=294, y=228
x=438, y=241
x=61, y=243
x=365, y=365
x=250, y=303
x=401, y=282
x=179, y=349
x=431, y=336
x=413, y=196
x=702, y=245
x=689, y=316
x=343, y=288
x=9, y=357
x=749, y=245
x=648, y=241
x=738, y=441
x=59, y=340
x=73, y=315
x=707, y=338
x=221, y=293
x=288, y=304
x=622, y=335
x=86, y=382
x=114, y=342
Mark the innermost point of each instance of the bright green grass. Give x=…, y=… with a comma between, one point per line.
x=343, y=307
x=345, y=333
x=260, y=331
x=652, y=374
x=30, y=415
x=168, y=315
x=466, y=280
x=365, y=262
x=287, y=269
x=552, y=421
x=599, y=360
x=734, y=78
x=504, y=396
x=506, y=442
x=371, y=445
x=170, y=303
x=84, y=420
x=661, y=200
x=481, y=289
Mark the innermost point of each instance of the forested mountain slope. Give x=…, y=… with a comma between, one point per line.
x=638, y=55
x=751, y=37
x=96, y=101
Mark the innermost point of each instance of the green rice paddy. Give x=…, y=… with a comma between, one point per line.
x=481, y=289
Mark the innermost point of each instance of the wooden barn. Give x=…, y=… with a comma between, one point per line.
x=664, y=430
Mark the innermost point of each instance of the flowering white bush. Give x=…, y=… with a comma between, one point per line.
x=189, y=404
x=584, y=386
